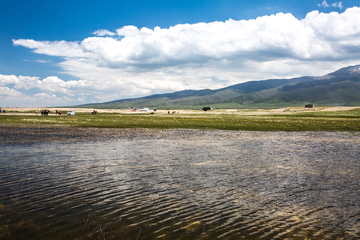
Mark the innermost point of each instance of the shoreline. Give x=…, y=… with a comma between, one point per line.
x=288, y=110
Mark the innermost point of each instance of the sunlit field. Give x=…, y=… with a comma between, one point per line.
x=254, y=120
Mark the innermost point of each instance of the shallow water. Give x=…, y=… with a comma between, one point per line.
x=182, y=184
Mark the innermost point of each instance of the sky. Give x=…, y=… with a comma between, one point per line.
x=66, y=53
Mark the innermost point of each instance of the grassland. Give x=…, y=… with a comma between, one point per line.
x=249, y=120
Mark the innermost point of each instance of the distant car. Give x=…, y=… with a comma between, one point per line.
x=145, y=110
x=71, y=113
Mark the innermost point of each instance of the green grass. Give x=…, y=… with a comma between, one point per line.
x=337, y=114
x=297, y=121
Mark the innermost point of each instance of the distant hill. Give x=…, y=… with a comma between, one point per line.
x=340, y=88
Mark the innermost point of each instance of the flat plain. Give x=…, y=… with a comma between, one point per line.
x=284, y=119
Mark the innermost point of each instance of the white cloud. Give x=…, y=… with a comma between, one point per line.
x=56, y=48
x=272, y=37
x=335, y=4
x=51, y=83
x=42, y=61
x=137, y=62
x=9, y=92
x=103, y=32
x=8, y=79
x=15, y=98
x=45, y=95
x=324, y=4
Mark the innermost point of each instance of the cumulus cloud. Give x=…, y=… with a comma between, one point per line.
x=268, y=37
x=51, y=83
x=74, y=91
x=142, y=61
x=12, y=97
x=9, y=92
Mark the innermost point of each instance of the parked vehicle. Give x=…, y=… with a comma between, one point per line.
x=145, y=110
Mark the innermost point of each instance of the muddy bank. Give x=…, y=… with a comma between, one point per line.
x=27, y=134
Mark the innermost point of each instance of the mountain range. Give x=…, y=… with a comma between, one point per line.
x=340, y=88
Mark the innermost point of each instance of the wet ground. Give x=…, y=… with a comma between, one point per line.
x=58, y=182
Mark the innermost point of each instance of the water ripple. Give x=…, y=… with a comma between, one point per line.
x=182, y=184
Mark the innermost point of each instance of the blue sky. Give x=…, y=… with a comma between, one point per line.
x=74, y=52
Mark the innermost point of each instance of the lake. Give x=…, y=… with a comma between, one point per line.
x=58, y=183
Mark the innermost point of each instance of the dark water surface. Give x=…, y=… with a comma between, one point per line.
x=179, y=184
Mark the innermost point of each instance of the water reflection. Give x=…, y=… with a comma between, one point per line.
x=183, y=184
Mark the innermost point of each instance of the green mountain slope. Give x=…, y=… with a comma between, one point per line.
x=339, y=88
x=341, y=92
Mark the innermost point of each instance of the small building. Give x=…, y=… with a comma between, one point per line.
x=309, y=105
